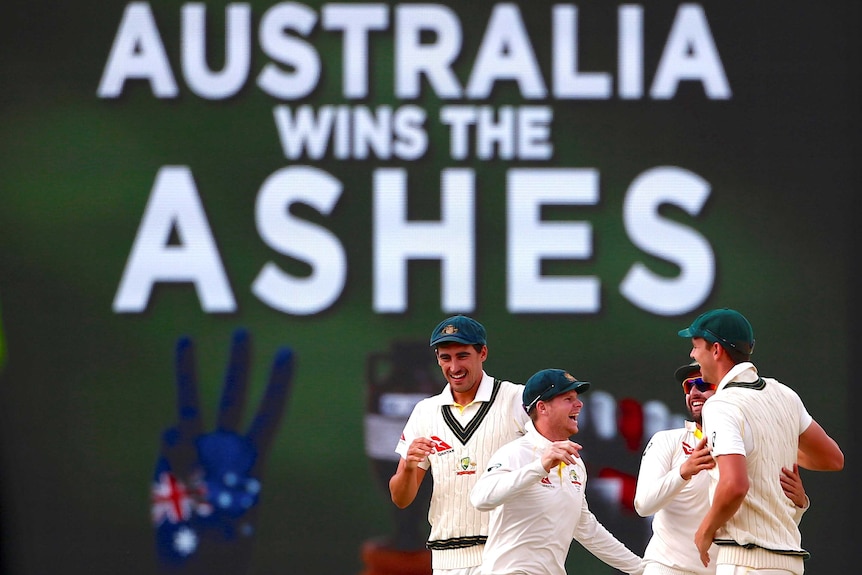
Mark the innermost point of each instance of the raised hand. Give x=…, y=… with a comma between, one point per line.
x=207, y=485
x=560, y=452
x=699, y=460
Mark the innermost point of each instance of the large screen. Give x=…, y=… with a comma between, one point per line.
x=289, y=196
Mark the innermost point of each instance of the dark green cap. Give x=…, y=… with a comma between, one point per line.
x=724, y=326
x=549, y=383
x=458, y=329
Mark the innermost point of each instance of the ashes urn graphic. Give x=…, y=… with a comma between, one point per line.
x=396, y=380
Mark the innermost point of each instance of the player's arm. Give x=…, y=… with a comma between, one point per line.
x=659, y=480
x=404, y=485
x=504, y=479
x=731, y=490
x=729, y=493
x=600, y=542
x=818, y=451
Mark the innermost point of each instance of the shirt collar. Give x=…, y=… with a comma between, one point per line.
x=535, y=437
x=691, y=427
x=744, y=371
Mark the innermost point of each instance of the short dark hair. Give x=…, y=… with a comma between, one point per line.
x=736, y=355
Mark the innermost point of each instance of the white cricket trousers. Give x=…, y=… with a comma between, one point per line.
x=475, y=570
x=653, y=568
x=740, y=570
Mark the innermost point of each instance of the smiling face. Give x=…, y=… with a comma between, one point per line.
x=462, y=367
x=713, y=359
x=558, y=417
x=695, y=399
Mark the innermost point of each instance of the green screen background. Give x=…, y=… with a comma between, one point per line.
x=86, y=392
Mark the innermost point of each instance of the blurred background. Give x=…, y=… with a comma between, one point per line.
x=710, y=147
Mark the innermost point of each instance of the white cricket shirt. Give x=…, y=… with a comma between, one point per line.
x=677, y=505
x=536, y=514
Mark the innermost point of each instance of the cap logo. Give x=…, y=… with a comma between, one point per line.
x=569, y=376
x=449, y=329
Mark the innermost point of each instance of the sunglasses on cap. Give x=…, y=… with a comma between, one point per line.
x=697, y=382
x=533, y=403
x=750, y=349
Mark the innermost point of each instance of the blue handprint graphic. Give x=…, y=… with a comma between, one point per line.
x=206, y=485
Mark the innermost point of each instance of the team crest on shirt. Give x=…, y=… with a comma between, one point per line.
x=573, y=477
x=466, y=466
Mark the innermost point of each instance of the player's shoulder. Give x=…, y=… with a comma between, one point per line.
x=513, y=450
x=428, y=404
x=512, y=396
x=510, y=389
x=781, y=387
x=510, y=385
x=722, y=401
x=671, y=436
x=673, y=432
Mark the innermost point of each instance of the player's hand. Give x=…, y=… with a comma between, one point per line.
x=206, y=485
x=565, y=452
x=419, y=450
x=703, y=541
x=699, y=460
x=791, y=483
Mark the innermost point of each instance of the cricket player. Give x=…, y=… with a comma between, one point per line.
x=672, y=488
